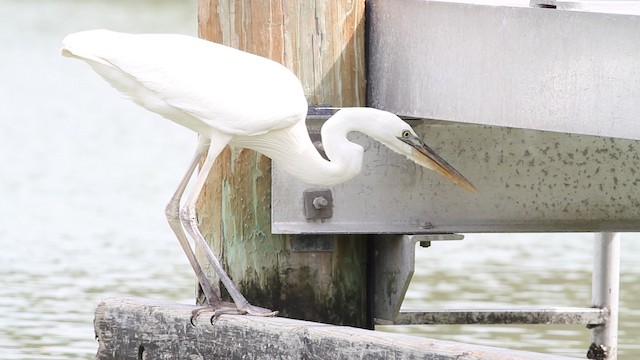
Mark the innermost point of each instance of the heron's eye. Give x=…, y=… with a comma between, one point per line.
x=406, y=134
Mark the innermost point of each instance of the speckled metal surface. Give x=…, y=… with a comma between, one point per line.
x=527, y=180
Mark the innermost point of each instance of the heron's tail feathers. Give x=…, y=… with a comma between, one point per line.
x=86, y=45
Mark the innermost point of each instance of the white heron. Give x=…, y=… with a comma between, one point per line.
x=230, y=97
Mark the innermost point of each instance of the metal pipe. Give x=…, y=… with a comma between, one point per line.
x=605, y=294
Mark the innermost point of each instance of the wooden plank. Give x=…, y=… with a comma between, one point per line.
x=322, y=41
x=133, y=328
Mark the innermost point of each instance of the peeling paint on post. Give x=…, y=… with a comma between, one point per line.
x=322, y=42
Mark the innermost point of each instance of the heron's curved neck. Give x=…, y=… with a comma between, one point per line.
x=294, y=152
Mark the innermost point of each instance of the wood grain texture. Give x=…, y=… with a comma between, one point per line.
x=133, y=328
x=322, y=41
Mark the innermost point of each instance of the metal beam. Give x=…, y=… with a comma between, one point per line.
x=557, y=315
x=519, y=69
x=524, y=67
x=527, y=180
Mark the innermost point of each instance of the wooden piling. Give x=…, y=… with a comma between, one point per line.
x=322, y=41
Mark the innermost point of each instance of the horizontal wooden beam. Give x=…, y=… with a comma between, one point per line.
x=134, y=328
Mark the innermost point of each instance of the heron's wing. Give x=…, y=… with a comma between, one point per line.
x=191, y=80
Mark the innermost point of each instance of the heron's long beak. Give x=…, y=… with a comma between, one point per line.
x=425, y=156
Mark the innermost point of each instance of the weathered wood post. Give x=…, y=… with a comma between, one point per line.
x=322, y=41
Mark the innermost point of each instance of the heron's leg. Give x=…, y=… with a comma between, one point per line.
x=189, y=220
x=172, y=212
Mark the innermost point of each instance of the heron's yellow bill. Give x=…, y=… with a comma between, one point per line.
x=425, y=156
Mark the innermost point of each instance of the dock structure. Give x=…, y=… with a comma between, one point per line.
x=134, y=329
x=535, y=103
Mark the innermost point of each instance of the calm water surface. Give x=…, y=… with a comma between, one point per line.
x=84, y=178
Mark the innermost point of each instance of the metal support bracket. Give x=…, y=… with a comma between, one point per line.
x=394, y=264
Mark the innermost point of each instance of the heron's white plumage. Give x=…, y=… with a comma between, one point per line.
x=197, y=83
x=234, y=98
x=243, y=100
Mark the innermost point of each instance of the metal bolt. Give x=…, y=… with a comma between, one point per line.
x=320, y=202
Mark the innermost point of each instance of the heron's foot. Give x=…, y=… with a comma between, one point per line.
x=218, y=308
x=257, y=311
x=228, y=308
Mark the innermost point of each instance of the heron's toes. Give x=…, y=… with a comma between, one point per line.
x=218, y=308
x=258, y=311
x=229, y=308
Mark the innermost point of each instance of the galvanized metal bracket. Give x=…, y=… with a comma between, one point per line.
x=521, y=130
x=564, y=81
x=394, y=264
x=318, y=204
